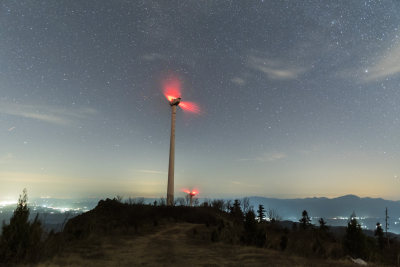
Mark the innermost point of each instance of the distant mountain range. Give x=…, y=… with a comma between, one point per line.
x=330, y=207
x=335, y=210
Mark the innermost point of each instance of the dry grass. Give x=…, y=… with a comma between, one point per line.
x=175, y=245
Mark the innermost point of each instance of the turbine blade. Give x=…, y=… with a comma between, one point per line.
x=190, y=106
x=172, y=88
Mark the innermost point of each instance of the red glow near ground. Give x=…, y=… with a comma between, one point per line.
x=172, y=88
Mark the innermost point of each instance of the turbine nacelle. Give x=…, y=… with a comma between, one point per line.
x=174, y=101
x=172, y=91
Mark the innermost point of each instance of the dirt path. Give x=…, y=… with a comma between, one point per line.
x=165, y=247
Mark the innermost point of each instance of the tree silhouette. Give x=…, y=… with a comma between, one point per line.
x=218, y=204
x=354, y=240
x=273, y=215
x=253, y=234
x=181, y=201
x=322, y=225
x=246, y=205
x=260, y=213
x=379, y=235
x=250, y=227
x=386, y=225
x=20, y=240
x=187, y=199
x=162, y=201
x=305, y=221
x=236, y=211
x=228, y=205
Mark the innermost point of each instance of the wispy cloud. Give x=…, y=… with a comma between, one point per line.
x=6, y=158
x=274, y=69
x=237, y=183
x=267, y=157
x=388, y=65
x=238, y=81
x=151, y=171
x=26, y=177
x=153, y=57
x=49, y=114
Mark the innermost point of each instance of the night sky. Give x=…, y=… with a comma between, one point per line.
x=298, y=98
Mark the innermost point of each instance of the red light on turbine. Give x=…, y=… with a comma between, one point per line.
x=190, y=106
x=170, y=98
x=192, y=193
x=172, y=89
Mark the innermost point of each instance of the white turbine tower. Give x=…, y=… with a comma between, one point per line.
x=172, y=93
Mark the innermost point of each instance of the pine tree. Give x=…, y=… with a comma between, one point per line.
x=354, y=240
x=250, y=227
x=20, y=240
x=260, y=213
x=305, y=221
x=386, y=225
x=236, y=211
x=379, y=235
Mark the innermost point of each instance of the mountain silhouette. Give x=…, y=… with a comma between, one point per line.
x=330, y=207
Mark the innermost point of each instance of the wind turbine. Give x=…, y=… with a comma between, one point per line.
x=191, y=194
x=172, y=91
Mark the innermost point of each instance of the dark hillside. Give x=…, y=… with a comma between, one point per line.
x=209, y=225
x=121, y=234
x=111, y=215
x=216, y=233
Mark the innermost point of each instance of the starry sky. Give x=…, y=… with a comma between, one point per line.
x=297, y=98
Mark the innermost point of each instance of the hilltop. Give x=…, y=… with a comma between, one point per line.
x=217, y=232
x=121, y=234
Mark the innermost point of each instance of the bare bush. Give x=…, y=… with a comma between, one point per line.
x=139, y=201
x=162, y=201
x=246, y=205
x=130, y=201
x=180, y=201
x=218, y=204
x=272, y=215
x=119, y=198
x=228, y=205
